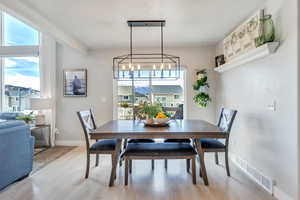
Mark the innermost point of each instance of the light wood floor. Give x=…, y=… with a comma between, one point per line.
x=63, y=179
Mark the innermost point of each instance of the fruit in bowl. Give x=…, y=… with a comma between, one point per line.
x=161, y=118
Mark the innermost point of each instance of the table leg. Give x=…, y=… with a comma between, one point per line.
x=202, y=163
x=115, y=158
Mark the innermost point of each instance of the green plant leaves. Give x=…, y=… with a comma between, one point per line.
x=201, y=83
x=151, y=110
x=202, y=99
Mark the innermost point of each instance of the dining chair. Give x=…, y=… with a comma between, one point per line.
x=225, y=123
x=178, y=115
x=107, y=146
x=158, y=151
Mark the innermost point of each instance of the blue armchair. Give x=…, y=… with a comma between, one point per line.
x=16, y=151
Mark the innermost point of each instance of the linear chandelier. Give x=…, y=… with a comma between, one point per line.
x=140, y=66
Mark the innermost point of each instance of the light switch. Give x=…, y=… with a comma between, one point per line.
x=272, y=106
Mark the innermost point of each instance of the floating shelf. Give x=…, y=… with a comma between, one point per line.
x=254, y=54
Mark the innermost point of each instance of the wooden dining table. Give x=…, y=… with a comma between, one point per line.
x=177, y=129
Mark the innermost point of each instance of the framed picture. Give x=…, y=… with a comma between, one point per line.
x=75, y=83
x=220, y=60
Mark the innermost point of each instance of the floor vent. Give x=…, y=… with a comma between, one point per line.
x=254, y=174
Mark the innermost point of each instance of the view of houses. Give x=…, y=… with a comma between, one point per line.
x=18, y=98
x=166, y=95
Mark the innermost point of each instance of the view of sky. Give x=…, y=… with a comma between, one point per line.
x=20, y=71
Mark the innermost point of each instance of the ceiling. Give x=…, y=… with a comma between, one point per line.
x=102, y=23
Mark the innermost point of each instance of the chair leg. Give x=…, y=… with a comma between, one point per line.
x=227, y=163
x=188, y=165
x=166, y=164
x=152, y=164
x=126, y=171
x=112, y=165
x=194, y=170
x=97, y=160
x=130, y=166
x=87, y=165
x=200, y=172
x=216, y=158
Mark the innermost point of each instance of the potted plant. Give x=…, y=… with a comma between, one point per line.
x=27, y=118
x=150, y=111
x=202, y=97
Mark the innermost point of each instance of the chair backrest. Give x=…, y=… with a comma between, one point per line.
x=87, y=122
x=226, y=119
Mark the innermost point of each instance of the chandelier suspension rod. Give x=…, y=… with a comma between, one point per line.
x=131, y=43
x=162, y=42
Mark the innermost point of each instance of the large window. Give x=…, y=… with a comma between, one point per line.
x=20, y=78
x=168, y=93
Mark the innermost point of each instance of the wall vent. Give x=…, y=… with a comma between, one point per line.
x=262, y=180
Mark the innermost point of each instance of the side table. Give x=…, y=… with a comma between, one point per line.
x=42, y=135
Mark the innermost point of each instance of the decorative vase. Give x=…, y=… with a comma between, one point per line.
x=269, y=30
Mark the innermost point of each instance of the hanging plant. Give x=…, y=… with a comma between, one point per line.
x=201, y=86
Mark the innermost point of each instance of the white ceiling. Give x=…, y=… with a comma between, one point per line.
x=102, y=23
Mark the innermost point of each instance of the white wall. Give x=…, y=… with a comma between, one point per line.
x=100, y=87
x=268, y=139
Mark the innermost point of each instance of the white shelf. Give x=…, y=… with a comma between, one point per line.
x=254, y=54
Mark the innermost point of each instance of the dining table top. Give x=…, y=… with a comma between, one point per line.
x=121, y=129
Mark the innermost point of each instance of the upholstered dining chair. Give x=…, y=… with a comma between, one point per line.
x=178, y=115
x=107, y=146
x=225, y=123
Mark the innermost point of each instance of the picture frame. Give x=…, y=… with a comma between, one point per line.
x=75, y=83
x=219, y=60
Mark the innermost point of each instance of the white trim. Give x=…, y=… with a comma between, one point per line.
x=35, y=19
x=277, y=193
x=19, y=51
x=69, y=142
x=252, y=55
x=280, y=195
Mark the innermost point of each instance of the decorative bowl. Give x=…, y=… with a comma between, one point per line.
x=161, y=120
x=157, y=122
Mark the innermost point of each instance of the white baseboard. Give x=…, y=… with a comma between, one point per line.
x=274, y=191
x=280, y=195
x=69, y=142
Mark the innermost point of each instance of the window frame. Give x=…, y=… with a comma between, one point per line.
x=14, y=51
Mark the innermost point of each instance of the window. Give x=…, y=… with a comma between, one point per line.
x=20, y=78
x=145, y=91
x=176, y=97
x=16, y=33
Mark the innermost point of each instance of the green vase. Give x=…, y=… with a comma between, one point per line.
x=269, y=30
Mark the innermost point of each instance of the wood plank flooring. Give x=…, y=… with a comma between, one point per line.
x=63, y=179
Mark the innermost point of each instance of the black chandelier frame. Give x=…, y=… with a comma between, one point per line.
x=155, y=65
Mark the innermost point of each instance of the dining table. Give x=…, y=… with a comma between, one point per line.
x=176, y=129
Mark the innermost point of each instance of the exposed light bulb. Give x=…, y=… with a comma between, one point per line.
x=123, y=67
x=139, y=67
x=170, y=67
x=162, y=66
x=130, y=65
x=132, y=68
x=154, y=67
